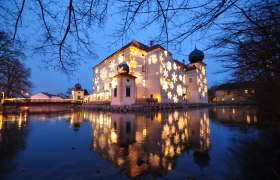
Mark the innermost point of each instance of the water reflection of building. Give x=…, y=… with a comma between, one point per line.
x=246, y=115
x=76, y=119
x=140, y=143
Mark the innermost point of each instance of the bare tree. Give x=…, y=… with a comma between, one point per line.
x=64, y=28
x=14, y=76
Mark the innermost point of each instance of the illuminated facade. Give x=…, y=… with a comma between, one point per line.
x=78, y=93
x=158, y=75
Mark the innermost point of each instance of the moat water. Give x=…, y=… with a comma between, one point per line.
x=200, y=143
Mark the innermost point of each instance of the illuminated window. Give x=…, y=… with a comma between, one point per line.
x=127, y=92
x=115, y=92
x=190, y=79
x=144, y=82
x=246, y=91
x=253, y=91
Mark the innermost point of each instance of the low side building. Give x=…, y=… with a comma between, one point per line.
x=234, y=93
x=44, y=95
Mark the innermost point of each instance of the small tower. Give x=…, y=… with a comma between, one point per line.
x=78, y=93
x=123, y=86
x=196, y=78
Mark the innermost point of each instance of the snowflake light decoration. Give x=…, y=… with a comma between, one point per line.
x=169, y=94
x=174, y=66
x=174, y=77
x=169, y=66
x=180, y=77
x=171, y=85
x=175, y=99
x=164, y=85
x=179, y=90
x=112, y=65
x=165, y=73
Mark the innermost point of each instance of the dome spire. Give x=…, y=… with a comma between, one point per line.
x=196, y=56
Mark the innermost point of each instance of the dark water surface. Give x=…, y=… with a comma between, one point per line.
x=215, y=143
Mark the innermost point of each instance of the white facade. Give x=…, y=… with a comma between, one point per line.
x=45, y=96
x=123, y=90
x=159, y=76
x=77, y=95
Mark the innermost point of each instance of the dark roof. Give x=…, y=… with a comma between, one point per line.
x=236, y=85
x=180, y=64
x=184, y=66
x=136, y=44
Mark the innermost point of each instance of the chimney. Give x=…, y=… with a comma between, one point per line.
x=183, y=61
x=151, y=43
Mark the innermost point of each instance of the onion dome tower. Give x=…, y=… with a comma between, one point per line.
x=78, y=86
x=123, y=68
x=196, y=56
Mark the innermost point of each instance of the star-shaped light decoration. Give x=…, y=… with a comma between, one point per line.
x=174, y=77
x=164, y=85
x=179, y=90
x=169, y=66
x=180, y=77
x=112, y=65
x=165, y=73
x=171, y=85
x=103, y=73
x=154, y=59
x=175, y=99
x=169, y=94
x=174, y=66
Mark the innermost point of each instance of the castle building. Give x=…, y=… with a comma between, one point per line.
x=158, y=76
x=78, y=93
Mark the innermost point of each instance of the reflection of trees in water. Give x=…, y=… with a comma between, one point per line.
x=150, y=144
x=257, y=156
x=255, y=153
x=13, y=133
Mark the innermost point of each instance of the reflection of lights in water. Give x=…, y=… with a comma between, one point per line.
x=102, y=141
x=248, y=118
x=1, y=121
x=114, y=137
x=173, y=129
x=169, y=166
x=176, y=115
x=144, y=132
x=255, y=119
x=233, y=111
x=181, y=123
x=171, y=150
x=178, y=150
